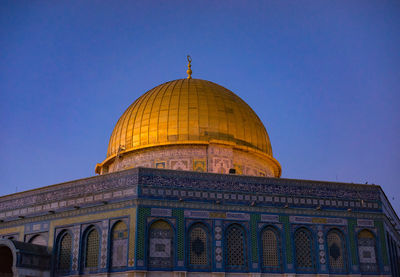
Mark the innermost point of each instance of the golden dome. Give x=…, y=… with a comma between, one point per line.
x=186, y=112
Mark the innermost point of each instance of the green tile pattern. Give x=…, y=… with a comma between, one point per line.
x=382, y=241
x=352, y=238
x=254, y=219
x=284, y=219
x=180, y=229
x=143, y=213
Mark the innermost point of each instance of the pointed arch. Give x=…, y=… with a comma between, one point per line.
x=90, y=249
x=304, y=250
x=337, y=254
x=367, y=251
x=271, y=249
x=199, y=245
x=235, y=248
x=119, y=245
x=64, y=252
x=161, y=245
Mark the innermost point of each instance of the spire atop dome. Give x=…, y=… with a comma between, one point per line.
x=189, y=71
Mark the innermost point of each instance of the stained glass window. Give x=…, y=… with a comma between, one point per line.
x=198, y=246
x=65, y=252
x=92, y=249
x=270, y=249
x=367, y=252
x=119, y=245
x=161, y=250
x=235, y=247
x=336, y=252
x=304, y=250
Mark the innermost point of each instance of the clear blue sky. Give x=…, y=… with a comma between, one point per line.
x=324, y=77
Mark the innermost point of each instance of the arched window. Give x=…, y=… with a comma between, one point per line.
x=336, y=252
x=119, y=245
x=367, y=252
x=304, y=247
x=235, y=245
x=161, y=247
x=91, y=249
x=271, y=250
x=199, y=246
x=38, y=240
x=64, y=253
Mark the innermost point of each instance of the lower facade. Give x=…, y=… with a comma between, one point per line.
x=157, y=223
x=139, y=240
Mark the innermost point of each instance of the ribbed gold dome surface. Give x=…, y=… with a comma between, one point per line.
x=188, y=111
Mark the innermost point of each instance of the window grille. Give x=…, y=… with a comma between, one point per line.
x=92, y=249
x=304, y=250
x=161, y=248
x=119, y=245
x=367, y=252
x=235, y=247
x=65, y=252
x=198, y=252
x=270, y=249
x=336, y=252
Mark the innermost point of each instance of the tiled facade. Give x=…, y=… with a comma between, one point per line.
x=157, y=222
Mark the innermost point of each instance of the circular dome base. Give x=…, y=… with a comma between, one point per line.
x=213, y=157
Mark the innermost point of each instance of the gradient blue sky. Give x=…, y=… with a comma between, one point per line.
x=324, y=77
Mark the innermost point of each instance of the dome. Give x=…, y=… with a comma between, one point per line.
x=189, y=112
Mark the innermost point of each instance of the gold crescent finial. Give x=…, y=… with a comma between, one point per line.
x=189, y=71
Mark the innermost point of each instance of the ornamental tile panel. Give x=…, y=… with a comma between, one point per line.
x=71, y=189
x=161, y=212
x=365, y=223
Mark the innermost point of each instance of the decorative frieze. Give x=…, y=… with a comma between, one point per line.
x=70, y=203
x=54, y=197
x=274, y=186
x=241, y=198
x=190, y=185
x=161, y=212
x=317, y=220
x=269, y=218
x=216, y=214
x=365, y=223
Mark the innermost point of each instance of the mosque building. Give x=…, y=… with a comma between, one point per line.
x=190, y=187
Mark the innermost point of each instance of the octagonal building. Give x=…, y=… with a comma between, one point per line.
x=189, y=187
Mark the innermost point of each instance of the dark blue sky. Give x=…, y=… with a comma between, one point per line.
x=324, y=77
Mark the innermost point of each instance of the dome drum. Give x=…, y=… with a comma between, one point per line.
x=213, y=157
